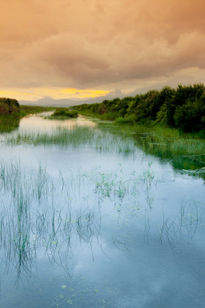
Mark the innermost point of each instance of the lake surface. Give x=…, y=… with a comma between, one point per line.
x=87, y=219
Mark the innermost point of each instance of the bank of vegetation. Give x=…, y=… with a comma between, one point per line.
x=9, y=106
x=182, y=108
x=63, y=114
x=11, y=112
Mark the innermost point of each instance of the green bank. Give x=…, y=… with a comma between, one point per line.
x=11, y=112
x=182, y=108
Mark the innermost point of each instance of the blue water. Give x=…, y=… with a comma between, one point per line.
x=81, y=227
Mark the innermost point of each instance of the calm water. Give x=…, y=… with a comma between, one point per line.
x=96, y=222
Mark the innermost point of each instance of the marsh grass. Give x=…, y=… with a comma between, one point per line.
x=59, y=136
x=63, y=114
x=185, y=225
x=61, y=218
x=76, y=137
x=33, y=216
x=39, y=213
x=26, y=110
x=166, y=140
x=9, y=122
x=47, y=215
x=51, y=214
x=186, y=152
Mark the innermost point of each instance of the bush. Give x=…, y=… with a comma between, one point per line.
x=65, y=113
x=8, y=106
x=130, y=119
x=191, y=116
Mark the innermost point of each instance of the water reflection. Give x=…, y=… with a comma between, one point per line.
x=100, y=224
x=40, y=123
x=181, y=154
x=51, y=214
x=54, y=213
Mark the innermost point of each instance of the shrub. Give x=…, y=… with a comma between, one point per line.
x=180, y=108
x=65, y=113
x=8, y=106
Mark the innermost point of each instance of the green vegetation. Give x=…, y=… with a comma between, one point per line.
x=8, y=106
x=11, y=113
x=98, y=139
x=9, y=122
x=63, y=114
x=184, y=151
x=53, y=212
x=25, y=110
x=182, y=108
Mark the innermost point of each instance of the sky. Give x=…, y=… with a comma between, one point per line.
x=86, y=49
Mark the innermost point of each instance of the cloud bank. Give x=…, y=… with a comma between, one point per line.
x=101, y=44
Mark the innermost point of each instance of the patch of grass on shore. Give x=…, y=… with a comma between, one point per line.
x=25, y=110
x=111, y=116
x=10, y=122
x=99, y=139
x=64, y=114
x=185, y=151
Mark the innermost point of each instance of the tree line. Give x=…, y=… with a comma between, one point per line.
x=182, y=108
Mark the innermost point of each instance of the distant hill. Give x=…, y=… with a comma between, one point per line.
x=51, y=102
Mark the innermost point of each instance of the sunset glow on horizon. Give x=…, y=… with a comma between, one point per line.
x=33, y=94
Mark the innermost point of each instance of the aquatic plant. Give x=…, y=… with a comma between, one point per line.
x=76, y=137
x=35, y=217
x=64, y=113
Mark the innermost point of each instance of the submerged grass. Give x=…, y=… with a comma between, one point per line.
x=50, y=215
x=63, y=114
x=41, y=215
x=33, y=216
x=160, y=141
x=45, y=215
x=184, y=151
x=59, y=136
x=100, y=140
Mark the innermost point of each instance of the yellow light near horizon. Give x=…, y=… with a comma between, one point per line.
x=85, y=93
x=33, y=94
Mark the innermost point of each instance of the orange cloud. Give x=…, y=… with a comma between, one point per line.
x=100, y=44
